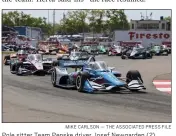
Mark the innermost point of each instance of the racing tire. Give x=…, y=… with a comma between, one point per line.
x=167, y=53
x=80, y=80
x=120, y=54
x=18, y=65
x=170, y=51
x=12, y=68
x=59, y=58
x=150, y=55
x=144, y=55
x=5, y=59
x=158, y=54
x=55, y=63
x=53, y=77
x=123, y=57
x=133, y=75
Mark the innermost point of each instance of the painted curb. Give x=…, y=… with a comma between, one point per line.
x=163, y=85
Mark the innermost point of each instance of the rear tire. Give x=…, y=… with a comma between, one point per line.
x=5, y=59
x=54, y=77
x=167, y=53
x=123, y=57
x=144, y=55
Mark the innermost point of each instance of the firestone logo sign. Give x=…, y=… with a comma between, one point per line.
x=135, y=35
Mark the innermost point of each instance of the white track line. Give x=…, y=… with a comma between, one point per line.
x=162, y=83
x=164, y=89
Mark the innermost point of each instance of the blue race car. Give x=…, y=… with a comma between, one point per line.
x=90, y=76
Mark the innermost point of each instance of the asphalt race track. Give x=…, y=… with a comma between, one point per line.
x=34, y=99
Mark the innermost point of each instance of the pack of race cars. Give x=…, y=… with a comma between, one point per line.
x=77, y=70
x=136, y=51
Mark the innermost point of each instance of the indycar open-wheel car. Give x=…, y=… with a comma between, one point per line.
x=34, y=64
x=95, y=76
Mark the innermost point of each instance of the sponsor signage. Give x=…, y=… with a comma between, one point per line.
x=137, y=35
x=145, y=37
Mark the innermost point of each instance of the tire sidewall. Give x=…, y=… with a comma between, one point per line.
x=78, y=87
x=17, y=66
x=82, y=77
x=53, y=77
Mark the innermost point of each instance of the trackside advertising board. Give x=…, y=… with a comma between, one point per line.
x=146, y=37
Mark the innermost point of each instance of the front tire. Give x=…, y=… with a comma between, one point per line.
x=150, y=55
x=80, y=80
x=133, y=75
x=12, y=68
x=55, y=63
x=18, y=65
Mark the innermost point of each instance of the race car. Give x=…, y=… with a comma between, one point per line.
x=115, y=50
x=169, y=49
x=160, y=50
x=74, y=55
x=169, y=45
x=94, y=76
x=94, y=50
x=63, y=49
x=20, y=55
x=85, y=49
x=89, y=47
x=102, y=49
x=34, y=64
x=48, y=47
x=5, y=47
x=138, y=52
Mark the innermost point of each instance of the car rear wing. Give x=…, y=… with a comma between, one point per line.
x=72, y=63
x=65, y=56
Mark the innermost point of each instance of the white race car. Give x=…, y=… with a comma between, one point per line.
x=33, y=65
